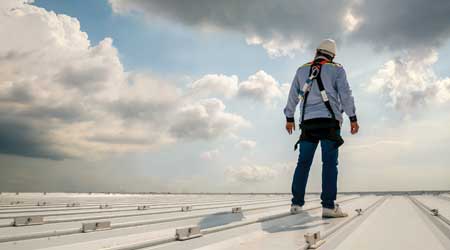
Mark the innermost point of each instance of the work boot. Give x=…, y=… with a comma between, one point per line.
x=333, y=213
x=295, y=209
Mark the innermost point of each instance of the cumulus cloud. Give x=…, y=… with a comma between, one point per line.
x=251, y=173
x=209, y=155
x=260, y=87
x=288, y=26
x=206, y=119
x=246, y=144
x=410, y=81
x=215, y=85
x=61, y=96
x=277, y=46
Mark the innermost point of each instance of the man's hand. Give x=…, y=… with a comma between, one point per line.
x=290, y=126
x=354, y=127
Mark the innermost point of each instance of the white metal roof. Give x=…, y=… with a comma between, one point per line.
x=386, y=222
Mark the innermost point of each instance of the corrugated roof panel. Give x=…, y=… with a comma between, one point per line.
x=113, y=221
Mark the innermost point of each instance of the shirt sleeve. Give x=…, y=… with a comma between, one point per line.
x=345, y=94
x=289, y=110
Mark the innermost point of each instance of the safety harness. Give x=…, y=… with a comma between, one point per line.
x=314, y=74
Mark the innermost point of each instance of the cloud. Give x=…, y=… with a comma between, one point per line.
x=246, y=144
x=409, y=82
x=209, y=155
x=375, y=159
x=277, y=46
x=206, y=120
x=402, y=24
x=62, y=97
x=380, y=143
x=286, y=27
x=351, y=22
x=260, y=87
x=250, y=173
x=146, y=97
x=20, y=138
x=215, y=85
x=282, y=27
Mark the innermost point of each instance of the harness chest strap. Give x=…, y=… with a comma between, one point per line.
x=325, y=99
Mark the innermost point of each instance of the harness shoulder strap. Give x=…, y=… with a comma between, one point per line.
x=325, y=99
x=305, y=98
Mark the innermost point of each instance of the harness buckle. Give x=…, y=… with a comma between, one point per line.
x=314, y=71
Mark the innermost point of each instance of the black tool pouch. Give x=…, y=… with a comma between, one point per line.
x=319, y=123
x=318, y=129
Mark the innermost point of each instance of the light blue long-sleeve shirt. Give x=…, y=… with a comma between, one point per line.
x=336, y=86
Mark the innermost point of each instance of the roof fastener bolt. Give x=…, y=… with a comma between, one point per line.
x=435, y=212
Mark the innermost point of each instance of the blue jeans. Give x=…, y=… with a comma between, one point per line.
x=329, y=172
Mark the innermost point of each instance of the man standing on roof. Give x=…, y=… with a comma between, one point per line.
x=325, y=94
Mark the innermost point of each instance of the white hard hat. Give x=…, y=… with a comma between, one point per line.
x=328, y=45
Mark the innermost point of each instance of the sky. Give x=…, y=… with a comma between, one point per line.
x=187, y=96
